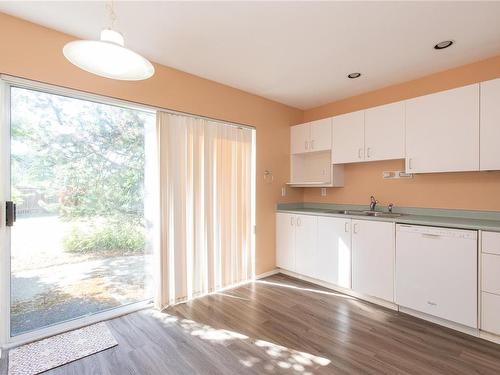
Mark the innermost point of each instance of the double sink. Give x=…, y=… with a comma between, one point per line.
x=364, y=213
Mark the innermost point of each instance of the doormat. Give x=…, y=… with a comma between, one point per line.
x=55, y=351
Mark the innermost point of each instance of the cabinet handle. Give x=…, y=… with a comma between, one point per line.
x=307, y=145
x=312, y=144
x=410, y=164
x=298, y=222
x=431, y=303
x=355, y=228
x=291, y=220
x=368, y=152
x=360, y=155
x=346, y=227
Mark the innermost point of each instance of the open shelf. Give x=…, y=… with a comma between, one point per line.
x=315, y=169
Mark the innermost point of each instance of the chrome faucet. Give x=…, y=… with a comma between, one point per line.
x=390, y=207
x=373, y=203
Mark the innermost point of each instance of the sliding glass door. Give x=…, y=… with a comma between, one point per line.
x=80, y=243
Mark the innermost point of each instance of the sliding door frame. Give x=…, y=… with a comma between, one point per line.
x=6, y=82
x=4, y=230
x=6, y=340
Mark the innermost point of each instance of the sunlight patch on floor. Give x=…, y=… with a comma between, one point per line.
x=273, y=356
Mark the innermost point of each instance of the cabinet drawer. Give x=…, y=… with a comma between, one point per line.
x=491, y=243
x=491, y=274
x=490, y=319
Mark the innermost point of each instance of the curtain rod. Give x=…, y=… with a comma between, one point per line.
x=86, y=95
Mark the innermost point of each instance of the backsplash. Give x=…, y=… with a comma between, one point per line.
x=461, y=190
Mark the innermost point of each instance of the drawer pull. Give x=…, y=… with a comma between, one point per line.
x=430, y=303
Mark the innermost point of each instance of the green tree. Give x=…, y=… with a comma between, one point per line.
x=86, y=157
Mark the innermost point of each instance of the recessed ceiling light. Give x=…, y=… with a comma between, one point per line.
x=354, y=75
x=444, y=44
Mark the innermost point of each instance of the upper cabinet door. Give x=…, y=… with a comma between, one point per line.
x=490, y=125
x=300, y=138
x=384, y=132
x=321, y=135
x=348, y=138
x=442, y=131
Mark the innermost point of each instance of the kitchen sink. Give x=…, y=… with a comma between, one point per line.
x=364, y=213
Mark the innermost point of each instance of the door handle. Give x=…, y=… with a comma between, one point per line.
x=291, y=221
x=298, y=221
x=368, y=152
x=360, y=155
x=10, y=213
x=355, y=228
x=410, y=164
x=346, y=227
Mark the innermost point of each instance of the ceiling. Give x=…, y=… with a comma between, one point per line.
x=296, y=53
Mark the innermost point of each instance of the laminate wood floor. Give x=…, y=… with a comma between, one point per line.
x=281, y=325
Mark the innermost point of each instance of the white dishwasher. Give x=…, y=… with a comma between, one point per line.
x=436, y=272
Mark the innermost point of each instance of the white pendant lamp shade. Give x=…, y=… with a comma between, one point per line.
x=108, y=57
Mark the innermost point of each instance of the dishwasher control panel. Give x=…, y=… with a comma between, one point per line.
x=437, y=231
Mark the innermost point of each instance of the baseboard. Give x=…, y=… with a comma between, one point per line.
x=349, y=292
x=267, y=274
x=442, y=322
x=489, y=337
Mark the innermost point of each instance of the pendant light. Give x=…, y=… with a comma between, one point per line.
x=108, y=57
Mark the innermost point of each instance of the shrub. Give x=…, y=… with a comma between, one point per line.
x=122, y=238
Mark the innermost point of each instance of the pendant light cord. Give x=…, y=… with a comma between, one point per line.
x=110, y=7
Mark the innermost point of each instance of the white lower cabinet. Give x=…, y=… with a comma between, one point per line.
x=333, y=261
x=490, y=282
x=306, y=236
x=373, y=258
x=296, y=237
x=490, y=313
x=285, y=241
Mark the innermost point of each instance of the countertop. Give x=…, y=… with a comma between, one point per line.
x=462, y=219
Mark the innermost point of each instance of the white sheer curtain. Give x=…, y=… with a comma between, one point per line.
x=206, y=200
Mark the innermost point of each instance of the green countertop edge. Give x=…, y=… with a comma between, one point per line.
x=451, y=218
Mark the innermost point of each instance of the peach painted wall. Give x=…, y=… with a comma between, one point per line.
x=34, y=52
x=471, y=190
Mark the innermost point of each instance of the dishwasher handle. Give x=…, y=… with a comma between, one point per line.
x=431, y=235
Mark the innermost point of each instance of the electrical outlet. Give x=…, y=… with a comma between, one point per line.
x=323, y=192
x=283, y=191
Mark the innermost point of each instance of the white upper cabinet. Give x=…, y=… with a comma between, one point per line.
x=312, y=136
x=321, y=135
x=348, y=138
x=442, y=131
x=384, y=132
x=490, y=125
x=299, y=138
